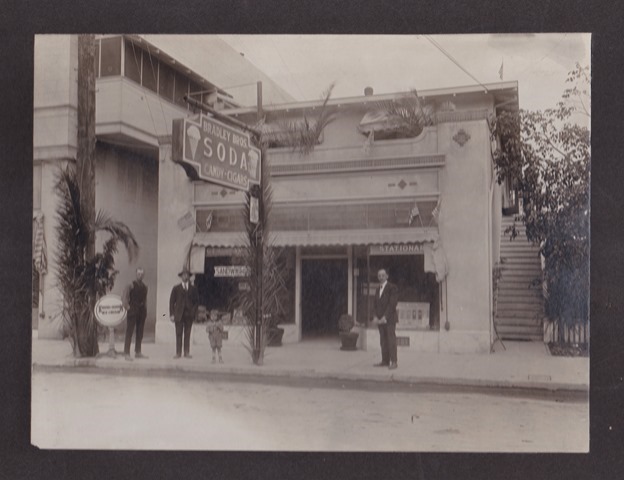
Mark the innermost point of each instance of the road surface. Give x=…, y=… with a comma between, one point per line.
x=104, y=411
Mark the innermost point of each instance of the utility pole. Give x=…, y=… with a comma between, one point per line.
x=260, y=240
x=85, y=160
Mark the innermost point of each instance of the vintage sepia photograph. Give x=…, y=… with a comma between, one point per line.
x=326, y=243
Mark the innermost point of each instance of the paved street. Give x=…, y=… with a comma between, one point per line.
x=102, y=411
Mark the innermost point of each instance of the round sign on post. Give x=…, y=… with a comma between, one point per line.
x=110, y=312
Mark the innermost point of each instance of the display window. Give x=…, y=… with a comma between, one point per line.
x=419, y=292
x=225, y=277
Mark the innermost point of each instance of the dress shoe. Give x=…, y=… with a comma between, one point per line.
x=140, y=355
x=188, y=355
x=380, y=364
x=176, y=357
x=392, y=366
x=128, y=357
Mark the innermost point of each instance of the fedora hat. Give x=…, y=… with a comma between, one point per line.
x=184, y=270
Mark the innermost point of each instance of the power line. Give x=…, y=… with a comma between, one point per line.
x=452, y=59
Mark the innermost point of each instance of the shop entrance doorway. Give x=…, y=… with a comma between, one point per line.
x=324, y=296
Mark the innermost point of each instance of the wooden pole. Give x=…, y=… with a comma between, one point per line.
x=260, y=241
x=85, y=159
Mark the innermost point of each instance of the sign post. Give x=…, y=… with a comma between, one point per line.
x=110, y=312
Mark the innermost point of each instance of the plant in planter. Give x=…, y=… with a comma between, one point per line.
x=348, y=337
x=274, y=333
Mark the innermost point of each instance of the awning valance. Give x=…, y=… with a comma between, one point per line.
x=322, y=237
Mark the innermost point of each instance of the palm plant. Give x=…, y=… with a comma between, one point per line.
x=302, y=134
x=262, y=301
x=82, y=280
x=403, y=117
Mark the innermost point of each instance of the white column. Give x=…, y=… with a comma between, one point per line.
x=175, y=199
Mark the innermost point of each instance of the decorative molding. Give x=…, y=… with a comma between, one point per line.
x=358, y=165
x=461, y=137
x=462, y=116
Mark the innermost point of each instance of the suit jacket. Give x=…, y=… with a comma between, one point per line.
x=387, y=304
x=177, y=301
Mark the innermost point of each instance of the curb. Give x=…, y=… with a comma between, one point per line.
x=264, y=373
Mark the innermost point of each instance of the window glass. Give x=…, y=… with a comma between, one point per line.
x=165, y=82
x=150, y=72
x=407, y=272
x=111, y=57
x=132, y=62
x=181, y=89
x=196, y=90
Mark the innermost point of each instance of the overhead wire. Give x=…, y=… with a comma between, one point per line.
x=452, y=59
x=157, y=92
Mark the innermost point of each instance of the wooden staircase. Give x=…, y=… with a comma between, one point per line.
x=519, y=308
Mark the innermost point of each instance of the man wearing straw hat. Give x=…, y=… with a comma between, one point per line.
x=183, y=304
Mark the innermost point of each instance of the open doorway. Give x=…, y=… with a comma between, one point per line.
x=324, y=296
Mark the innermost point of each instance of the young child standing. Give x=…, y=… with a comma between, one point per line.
x=215, y=334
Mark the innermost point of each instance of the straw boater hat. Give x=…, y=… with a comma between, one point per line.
x=184, y=270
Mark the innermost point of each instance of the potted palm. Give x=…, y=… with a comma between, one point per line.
x=348, y=337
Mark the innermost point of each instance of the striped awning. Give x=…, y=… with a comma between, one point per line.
x=323, y=237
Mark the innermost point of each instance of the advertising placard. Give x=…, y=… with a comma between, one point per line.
x=109, y=310
x=212, y=151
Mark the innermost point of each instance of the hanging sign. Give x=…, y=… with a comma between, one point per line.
x=254, y=210
x=231, y=271
x=215, y=152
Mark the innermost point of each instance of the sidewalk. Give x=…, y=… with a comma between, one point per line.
x=523, y=365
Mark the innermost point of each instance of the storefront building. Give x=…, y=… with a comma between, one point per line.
x=140, y=89
x=424, y=205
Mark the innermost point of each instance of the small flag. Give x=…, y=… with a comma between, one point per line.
x=500, y=70
x=435, y=213
x=414, y=212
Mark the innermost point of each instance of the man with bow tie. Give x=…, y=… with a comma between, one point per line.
x=386, y=318
x=183, y=304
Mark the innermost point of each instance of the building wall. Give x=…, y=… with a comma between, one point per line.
x=464, y=230
x=55, y=100
x=175, y=201
x=127, y=189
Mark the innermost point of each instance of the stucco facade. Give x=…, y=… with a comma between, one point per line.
x=318, y=198
x=346, y=207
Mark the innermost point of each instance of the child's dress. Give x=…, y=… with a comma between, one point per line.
x=215, y=333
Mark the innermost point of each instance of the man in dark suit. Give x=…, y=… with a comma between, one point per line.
x=183, y=304
x=134, y=299
x=386, y=318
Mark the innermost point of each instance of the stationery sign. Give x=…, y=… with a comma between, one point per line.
x=215, y=152
x=397, y=249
